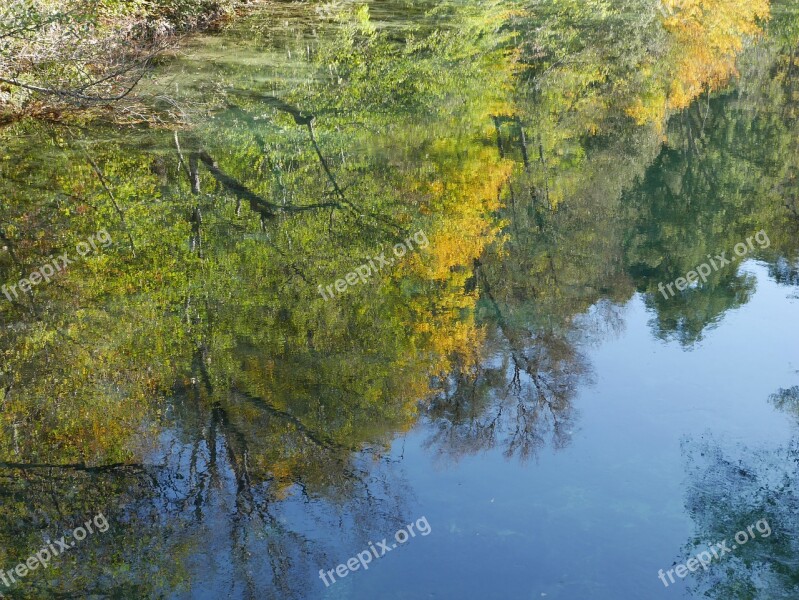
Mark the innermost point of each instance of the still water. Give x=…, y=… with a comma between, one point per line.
x=511, y=378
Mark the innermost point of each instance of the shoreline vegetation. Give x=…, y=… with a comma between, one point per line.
x=68, y=56
x=59, y=57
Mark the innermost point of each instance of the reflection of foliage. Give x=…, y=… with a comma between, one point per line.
x=206, y=492
x=214, y=483
x=209, y=349
x=242, y=291
x=708, y=36
x=722, y=177
x=601, y=60
x=55, y=500
x=731, y=490
x=555, y=264
x=515, y=404
x=787, y=400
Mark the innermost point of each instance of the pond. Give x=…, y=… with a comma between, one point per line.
x=412, y=300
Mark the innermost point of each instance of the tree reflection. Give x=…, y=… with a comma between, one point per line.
x=731, y=489
x=229, y=421
x=520, y=402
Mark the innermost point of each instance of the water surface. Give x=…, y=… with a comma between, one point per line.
x=516, y=379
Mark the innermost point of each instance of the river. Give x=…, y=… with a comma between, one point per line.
x=513, y=278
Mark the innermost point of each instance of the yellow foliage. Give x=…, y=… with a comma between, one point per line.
x=708, y=35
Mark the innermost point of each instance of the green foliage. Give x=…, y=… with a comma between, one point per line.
x=202, y=329
x=56, y=55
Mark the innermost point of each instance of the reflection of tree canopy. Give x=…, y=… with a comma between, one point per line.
x=201, y=507
x=722, y=178
x=230, y=271
x=634, y=210
x=619, y=222
x=199, y=342
x=787, y=400
x=730, y=489
x=520, y=401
